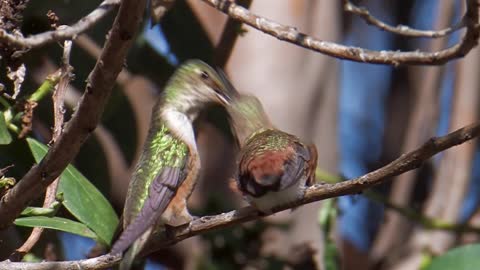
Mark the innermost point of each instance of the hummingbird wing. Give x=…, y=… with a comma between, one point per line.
x=296, y=166
x=161, y=192
x=263, y=168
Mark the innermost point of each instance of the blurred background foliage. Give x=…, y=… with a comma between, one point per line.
x=360, y=116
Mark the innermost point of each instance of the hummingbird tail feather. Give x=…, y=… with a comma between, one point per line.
x=133, y=251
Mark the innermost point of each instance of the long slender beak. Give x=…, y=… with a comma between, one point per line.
x=223, y=98
x=231, y=92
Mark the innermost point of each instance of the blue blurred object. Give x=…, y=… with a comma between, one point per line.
x=75, y=247
x=154, y=37
x=363, y=91
x=151, y=265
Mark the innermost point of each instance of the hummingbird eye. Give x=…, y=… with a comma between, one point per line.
x=204, y=75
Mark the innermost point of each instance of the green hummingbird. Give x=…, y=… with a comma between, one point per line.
x=168, y=168
x=273, y=167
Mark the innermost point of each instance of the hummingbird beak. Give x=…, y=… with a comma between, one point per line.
x=230, y=91
x=224, y=99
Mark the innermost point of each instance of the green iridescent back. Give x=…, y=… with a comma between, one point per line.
x=165, y=150
x=268, y=140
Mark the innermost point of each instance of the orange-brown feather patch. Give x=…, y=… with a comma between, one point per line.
x=178, y=205
x=269, y=163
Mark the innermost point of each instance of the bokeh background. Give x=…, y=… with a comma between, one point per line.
x=360, y=116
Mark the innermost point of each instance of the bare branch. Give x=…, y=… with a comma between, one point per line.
x=406, y=162
x=68, y=32
x=101, y=262
x=58, y=101
x=98, y=89
x=292, y=35
x=231, y=31
x=59, y=95
x=399, y=29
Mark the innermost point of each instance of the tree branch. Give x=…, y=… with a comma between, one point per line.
x=403, y=30
x=63, y=33
x=99, y=86
x=404, y=163
x=292, y=35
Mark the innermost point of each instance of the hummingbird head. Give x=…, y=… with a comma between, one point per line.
x=195, y=84
x=247, y=117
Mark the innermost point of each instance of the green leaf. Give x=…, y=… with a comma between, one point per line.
x=30, y=257
x=6, y=182
x=461, y=258
x=82, y=198
x=5, y=137
x=56, y=223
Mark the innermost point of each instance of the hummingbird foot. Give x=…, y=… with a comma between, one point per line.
x=170, y=231
x=264, y=214
x=178, y=215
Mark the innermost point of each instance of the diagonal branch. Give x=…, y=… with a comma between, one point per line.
x=292, y=35
x=399, y=29
x=98, y=89
x=63, y=33
x=404, y=163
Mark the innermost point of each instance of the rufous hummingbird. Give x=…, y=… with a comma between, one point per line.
x=274, y=167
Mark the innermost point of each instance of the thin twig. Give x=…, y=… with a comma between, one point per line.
x=58, y=102
x=101, y=262
x=292, y=35
x=59, y=95
x=403, y=30
x=98, y=89
x=61, y=34
x=231, y=31
x=425, y=221
x=408, y=212
x=406, y=162
x=117, y=166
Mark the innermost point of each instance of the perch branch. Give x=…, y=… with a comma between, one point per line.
x=404, y=163
x=292, y=35
x=98, y=89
